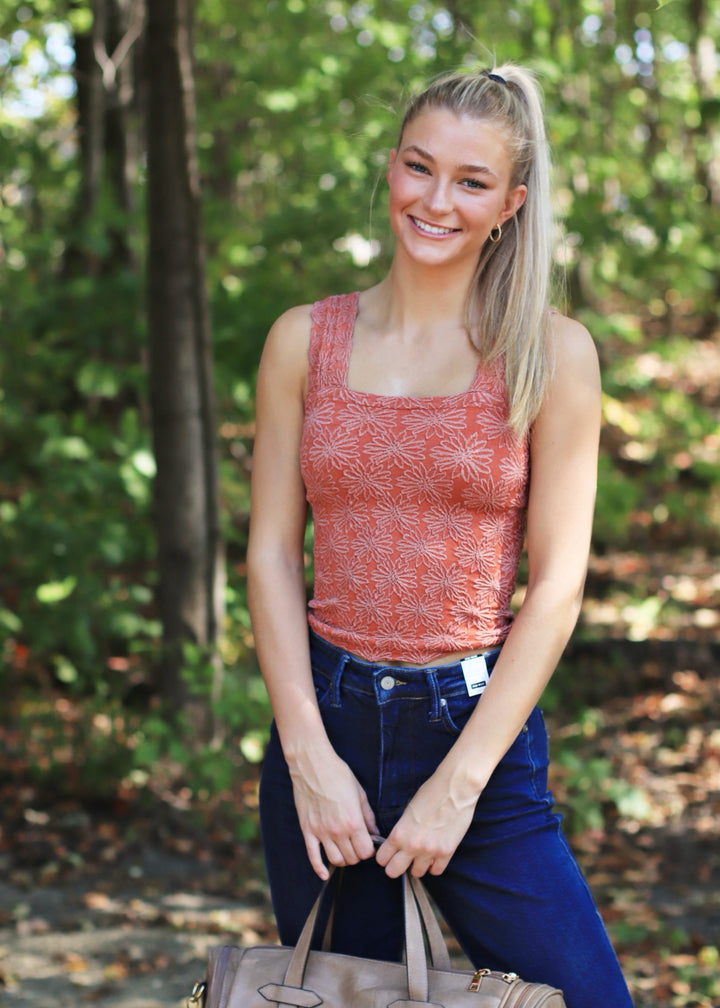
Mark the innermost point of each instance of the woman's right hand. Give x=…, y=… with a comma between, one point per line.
x=334, y=814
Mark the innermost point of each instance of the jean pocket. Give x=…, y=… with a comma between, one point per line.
x=323, y=686
x=539, y=754
x=455, y=711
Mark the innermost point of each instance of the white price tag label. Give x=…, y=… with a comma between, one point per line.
x=475, y=673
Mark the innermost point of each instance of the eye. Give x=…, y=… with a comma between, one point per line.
x=473, y=183
x=416, y=166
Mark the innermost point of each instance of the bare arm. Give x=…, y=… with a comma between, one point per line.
x=562, y=496
x=332, y=807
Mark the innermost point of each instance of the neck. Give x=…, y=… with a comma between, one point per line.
x=421, y=299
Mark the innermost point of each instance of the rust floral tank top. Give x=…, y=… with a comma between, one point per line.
x=418, y=505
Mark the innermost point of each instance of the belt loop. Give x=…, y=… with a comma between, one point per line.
x=434, y=687
x=337, y=680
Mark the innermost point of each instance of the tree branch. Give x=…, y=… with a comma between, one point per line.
x=111, y=64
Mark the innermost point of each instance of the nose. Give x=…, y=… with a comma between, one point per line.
x=438, y=198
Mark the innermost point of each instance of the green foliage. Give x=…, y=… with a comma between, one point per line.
x=591, y=789
x=618, y=498
x=298, y=107
x=589, y=786
x=697, y=977
x=69, y=750
x=76, y=537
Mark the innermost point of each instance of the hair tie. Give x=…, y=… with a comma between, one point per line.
x=496, y=77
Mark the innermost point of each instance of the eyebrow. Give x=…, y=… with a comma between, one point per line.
x=475, y=169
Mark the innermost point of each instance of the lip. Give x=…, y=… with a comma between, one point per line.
x=439, y=230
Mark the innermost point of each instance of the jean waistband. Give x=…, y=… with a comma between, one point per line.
x=416, y=680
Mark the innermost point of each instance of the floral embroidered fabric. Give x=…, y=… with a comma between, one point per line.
x=418, y=506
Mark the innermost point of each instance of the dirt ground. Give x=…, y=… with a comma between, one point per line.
x=115, y=905
x=128, y=929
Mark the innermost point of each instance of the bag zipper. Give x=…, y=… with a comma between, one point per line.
x=525, y=998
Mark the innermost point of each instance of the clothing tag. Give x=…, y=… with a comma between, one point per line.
x=476, y=674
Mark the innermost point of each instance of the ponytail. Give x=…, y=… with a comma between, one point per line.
x=507, y=312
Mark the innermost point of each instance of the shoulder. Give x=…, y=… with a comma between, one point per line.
x=289, y=336
x=573, y=393
x=573, y=354
x=284, y=361
x=291, y=328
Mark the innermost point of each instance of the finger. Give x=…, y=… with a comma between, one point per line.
x=438, y=866
x=390, y=847
x=385, y=851
x=312, y=845
x=368, y=816
x=397, y=865
x=351, y=845
x=362, y=844
x=420, y=866
x=336, y=855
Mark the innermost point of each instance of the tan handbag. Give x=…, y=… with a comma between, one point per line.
x=274, y=976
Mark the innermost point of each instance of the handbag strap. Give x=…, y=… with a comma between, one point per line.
x=419, y=921
x=415, y=957
x=439, y=955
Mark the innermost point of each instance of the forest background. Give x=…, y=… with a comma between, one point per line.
x=174, y=175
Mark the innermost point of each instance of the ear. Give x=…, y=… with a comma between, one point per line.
x=513, y=201
x=391, y=163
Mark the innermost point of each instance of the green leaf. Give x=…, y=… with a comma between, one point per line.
x=65, y=670
x=66, y=447
x=252, y=745
x=9, y=621
x=56, y=591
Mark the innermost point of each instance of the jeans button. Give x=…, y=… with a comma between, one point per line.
x=387, y=682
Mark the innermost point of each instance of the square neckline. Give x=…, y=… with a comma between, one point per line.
x=481, y=373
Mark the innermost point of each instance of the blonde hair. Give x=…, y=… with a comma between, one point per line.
x=507, y=312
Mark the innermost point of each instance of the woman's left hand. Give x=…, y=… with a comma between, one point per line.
x=428, y=832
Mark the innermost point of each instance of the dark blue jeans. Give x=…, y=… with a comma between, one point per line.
x=512, y=893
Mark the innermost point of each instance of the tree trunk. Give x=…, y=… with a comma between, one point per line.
x=190, y=560
x=124, y=18
x=703, y=60
x=90, y=104
x=106, y=88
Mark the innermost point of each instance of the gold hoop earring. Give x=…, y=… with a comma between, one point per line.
x=495, y=238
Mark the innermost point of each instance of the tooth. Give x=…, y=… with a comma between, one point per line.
x=431, y=228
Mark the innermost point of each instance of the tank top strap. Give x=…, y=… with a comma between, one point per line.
x=333, y=322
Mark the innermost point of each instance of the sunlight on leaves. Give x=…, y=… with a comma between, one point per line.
x=56, y=591
x=252, y=745
x=642, y=618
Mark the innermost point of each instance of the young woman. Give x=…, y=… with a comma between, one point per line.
x=433, y=423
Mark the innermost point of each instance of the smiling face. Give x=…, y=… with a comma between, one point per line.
x=449, y=187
